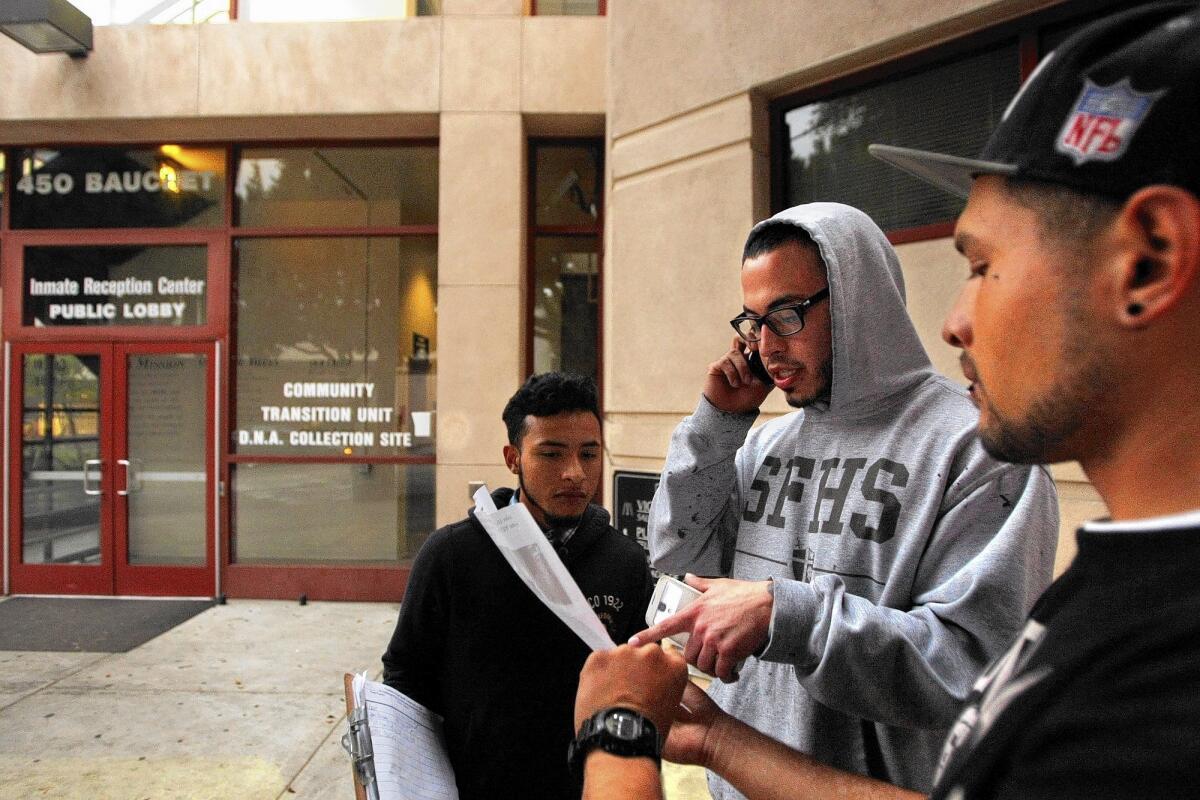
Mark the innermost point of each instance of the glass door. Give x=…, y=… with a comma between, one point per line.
x=61, y=486
x=162, y=467
x=111, y=468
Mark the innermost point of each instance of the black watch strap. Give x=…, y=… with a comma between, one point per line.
x=620, y=731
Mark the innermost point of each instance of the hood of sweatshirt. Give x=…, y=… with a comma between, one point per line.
x=876, y=351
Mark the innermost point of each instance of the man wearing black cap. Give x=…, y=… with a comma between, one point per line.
x=1078, y=329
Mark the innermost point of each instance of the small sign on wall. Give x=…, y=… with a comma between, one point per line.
x=632, y=493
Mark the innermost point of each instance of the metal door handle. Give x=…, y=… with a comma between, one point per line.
x=87, y=475
x=128, y=468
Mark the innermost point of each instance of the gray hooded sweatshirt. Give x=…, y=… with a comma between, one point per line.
x=903, y=557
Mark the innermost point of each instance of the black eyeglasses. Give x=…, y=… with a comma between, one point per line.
x=783, y=321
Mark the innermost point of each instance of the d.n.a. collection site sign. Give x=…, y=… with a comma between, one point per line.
x=351, y=405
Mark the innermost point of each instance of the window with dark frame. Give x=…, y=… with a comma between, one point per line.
x=950, y=108
x=170, y=186
x=819, y=140
x=566, y=226
x=334, y=346
x=569, y=8
x=332, y=253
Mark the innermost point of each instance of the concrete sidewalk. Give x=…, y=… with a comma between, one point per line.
x=241, y=702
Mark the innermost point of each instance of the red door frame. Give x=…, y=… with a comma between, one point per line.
x=106, y=341
x=385, y=582
x=217, y=300
x=59, y=578
x=113, y=575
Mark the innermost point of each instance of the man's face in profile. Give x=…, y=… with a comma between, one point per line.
x=558, y=461
x=1029, y=344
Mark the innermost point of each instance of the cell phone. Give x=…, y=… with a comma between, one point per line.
x=757, y=369
x=670, y=596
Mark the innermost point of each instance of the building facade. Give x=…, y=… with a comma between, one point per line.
x=267, y=285
x=722, y=115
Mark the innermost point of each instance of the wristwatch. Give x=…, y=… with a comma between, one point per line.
x=620, y=731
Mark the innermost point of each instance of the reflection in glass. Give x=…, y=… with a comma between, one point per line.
x=171, y=186
x=166, y=476
x=324, y=11
x=566, y=184
x=585, y=8
x=337, y=186
x=360, y=513
x=566, y=304
x=60, y=449
x=154, y=12
x=119, y=285
x=951, y=108
x=336, y=346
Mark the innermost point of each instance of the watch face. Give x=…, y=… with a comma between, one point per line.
x=623, y=725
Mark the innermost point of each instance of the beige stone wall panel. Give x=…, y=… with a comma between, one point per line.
x=1069, y=471
x=134, y=71
x=478, y=370
x=698, y=132
x=640, y=438
x=670, y=56
x=481, y=261
x=453, y=480
x=672, y=278
x=320, y=68
x=654, y=465
x=481, y=233
x=216, y=129
x=933, y=275
x=481, y=64
x=563, y=64
x=1078, y=502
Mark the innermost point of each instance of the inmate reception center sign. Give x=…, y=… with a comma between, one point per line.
x=108, y=285
x=123, y=301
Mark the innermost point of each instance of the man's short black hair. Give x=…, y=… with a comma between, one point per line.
x=546, y=395
x=772, y=235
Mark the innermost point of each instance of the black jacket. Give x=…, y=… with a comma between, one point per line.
x=474, y=644
x=1100, y=697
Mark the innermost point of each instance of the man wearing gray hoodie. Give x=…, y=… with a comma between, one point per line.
x=877, y=558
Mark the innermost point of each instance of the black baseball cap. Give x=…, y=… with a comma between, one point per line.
x=1116, y=107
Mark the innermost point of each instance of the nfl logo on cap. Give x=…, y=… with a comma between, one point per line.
x=1103, y=121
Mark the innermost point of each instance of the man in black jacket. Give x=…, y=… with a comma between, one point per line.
x=476, y=646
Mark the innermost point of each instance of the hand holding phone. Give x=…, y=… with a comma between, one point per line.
x=737, y=382
x=757, y=369
x=670, y=597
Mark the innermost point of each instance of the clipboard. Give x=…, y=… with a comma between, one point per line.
x=357, y=742
x=397, y=746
